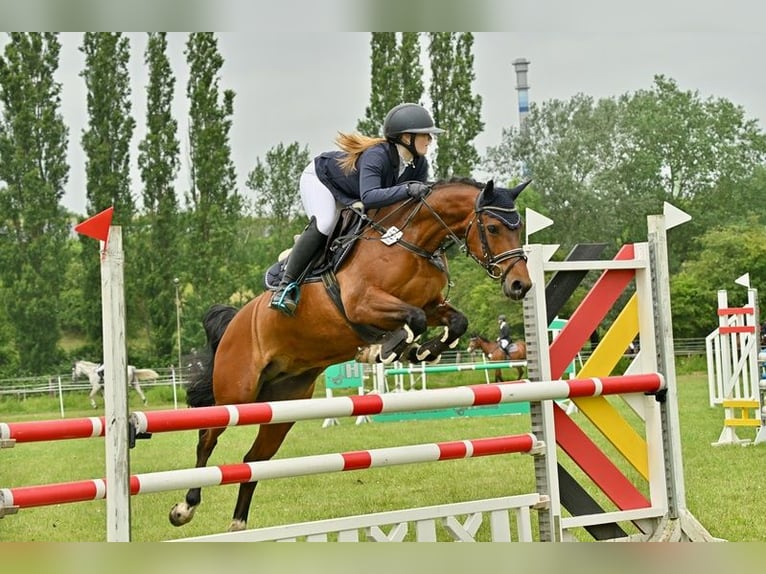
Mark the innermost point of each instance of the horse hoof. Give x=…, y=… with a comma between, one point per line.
x=237, y=525
x=181, y=514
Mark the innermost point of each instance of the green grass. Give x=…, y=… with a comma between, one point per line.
x=724, y=489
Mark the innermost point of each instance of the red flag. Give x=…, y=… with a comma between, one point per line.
x=97, y=226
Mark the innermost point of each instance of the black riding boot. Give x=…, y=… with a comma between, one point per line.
x=299, y=262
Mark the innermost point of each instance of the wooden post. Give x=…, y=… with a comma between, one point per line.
x=115, y=389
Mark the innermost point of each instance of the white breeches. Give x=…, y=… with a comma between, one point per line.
x=318, y=201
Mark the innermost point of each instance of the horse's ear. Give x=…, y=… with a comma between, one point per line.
x=487, y=195
x=516, y=191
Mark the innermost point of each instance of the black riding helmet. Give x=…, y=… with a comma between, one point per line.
x=408, y=119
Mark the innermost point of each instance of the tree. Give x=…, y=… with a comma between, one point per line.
x=158, y=238
x=275, y=182
x=396, y=76
x=33, y=173
x=384, y=89
x=602, y=166
x=454, y=106
x=106, y=143
x=725, y=254
x=215, y=206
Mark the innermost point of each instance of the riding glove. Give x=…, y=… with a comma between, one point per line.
x=417, y=189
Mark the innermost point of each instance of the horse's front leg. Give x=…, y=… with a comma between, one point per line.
x=139, y=391
x=403, y=321
x=95, y=385
x=455, y=325
x=183, y=512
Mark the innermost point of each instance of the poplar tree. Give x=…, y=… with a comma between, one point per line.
x=453, y=104
x=158, y=162
x=213, y=199
x=106, y=142
x=33, y=224
x=396, y=76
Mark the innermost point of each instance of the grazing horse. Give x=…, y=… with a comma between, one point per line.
x=494, y=352
x=387, y=290
x=90, y=370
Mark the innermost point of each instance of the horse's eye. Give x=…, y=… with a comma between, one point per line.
x=492, y=228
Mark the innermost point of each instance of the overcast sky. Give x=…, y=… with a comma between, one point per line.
x=307, y=86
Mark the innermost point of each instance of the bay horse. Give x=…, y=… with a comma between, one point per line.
x=387, y=290
x=494, y=352
x=90, y=371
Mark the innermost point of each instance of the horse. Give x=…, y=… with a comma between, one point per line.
x=494, y=352
x=387, y=289
x=90, y=370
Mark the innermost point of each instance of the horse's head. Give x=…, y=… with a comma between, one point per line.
x=495, y=240
x=474, y=344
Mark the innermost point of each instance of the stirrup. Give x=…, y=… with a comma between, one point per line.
x=280, y=302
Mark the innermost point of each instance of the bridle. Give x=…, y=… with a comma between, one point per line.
x=488, y=261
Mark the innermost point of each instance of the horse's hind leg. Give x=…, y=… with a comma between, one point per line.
x=183, y=512
x=267, y=443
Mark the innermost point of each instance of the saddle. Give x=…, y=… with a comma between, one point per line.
x=351, y=224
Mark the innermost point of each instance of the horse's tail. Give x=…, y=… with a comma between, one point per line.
x=199, y=393
x=146, y=374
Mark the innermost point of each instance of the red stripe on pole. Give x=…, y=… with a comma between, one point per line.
x=581, y=387
x=643, y=383
x=736, y=329
x=53, y=430
x=486, y=395
x=736, y=311
x=44, y=495
x=235, y=473
x=366, y=405
x=255, y=413
x=451, y=450
x=187, y=419
x=135, y=485
x=502, y=444
x=356, y=460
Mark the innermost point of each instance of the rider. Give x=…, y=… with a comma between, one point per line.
x=505, y=333
x=378, y=171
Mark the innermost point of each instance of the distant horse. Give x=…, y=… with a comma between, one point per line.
x=494, y=352
x=89, y=370
x=387, y=290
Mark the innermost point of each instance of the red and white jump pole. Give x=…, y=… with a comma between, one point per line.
x=79, y=491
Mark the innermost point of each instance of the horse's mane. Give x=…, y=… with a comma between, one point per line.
x=465, y=180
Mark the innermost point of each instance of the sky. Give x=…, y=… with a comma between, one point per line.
x=306, y=85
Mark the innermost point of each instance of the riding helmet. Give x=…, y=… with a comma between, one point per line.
x=409, y=118
x=501, y=317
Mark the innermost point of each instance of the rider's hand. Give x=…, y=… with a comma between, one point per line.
x=417, y=189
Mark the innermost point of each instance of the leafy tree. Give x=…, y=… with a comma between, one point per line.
x=106, y=142
x=158, y=238
x=454, y=106
x=275, y=182
x=614, y=161
x=396, y=76
x=725, y=254
x=33, y=173
x=384, y=91
x=213, y=247
x=410, y=70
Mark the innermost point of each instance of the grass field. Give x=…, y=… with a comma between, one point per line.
x=724, y=488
